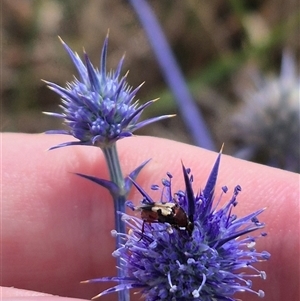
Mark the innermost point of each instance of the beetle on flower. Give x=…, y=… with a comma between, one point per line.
x=171, y=213
x=207, y=264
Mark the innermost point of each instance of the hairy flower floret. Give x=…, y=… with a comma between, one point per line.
x=167, y=262
x=99, y=107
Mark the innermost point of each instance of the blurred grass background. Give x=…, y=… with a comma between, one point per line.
x=215, y=42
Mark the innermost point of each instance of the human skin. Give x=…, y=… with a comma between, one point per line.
x=55, y=226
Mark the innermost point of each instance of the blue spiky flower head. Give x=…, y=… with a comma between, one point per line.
x=266, y=127
x=212, y=262
x=99, y=107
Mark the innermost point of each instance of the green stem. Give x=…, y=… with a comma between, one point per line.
x=116, y=176
x=115, y=172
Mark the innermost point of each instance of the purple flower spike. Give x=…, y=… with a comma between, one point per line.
x=213, y=261
x=99, y=107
